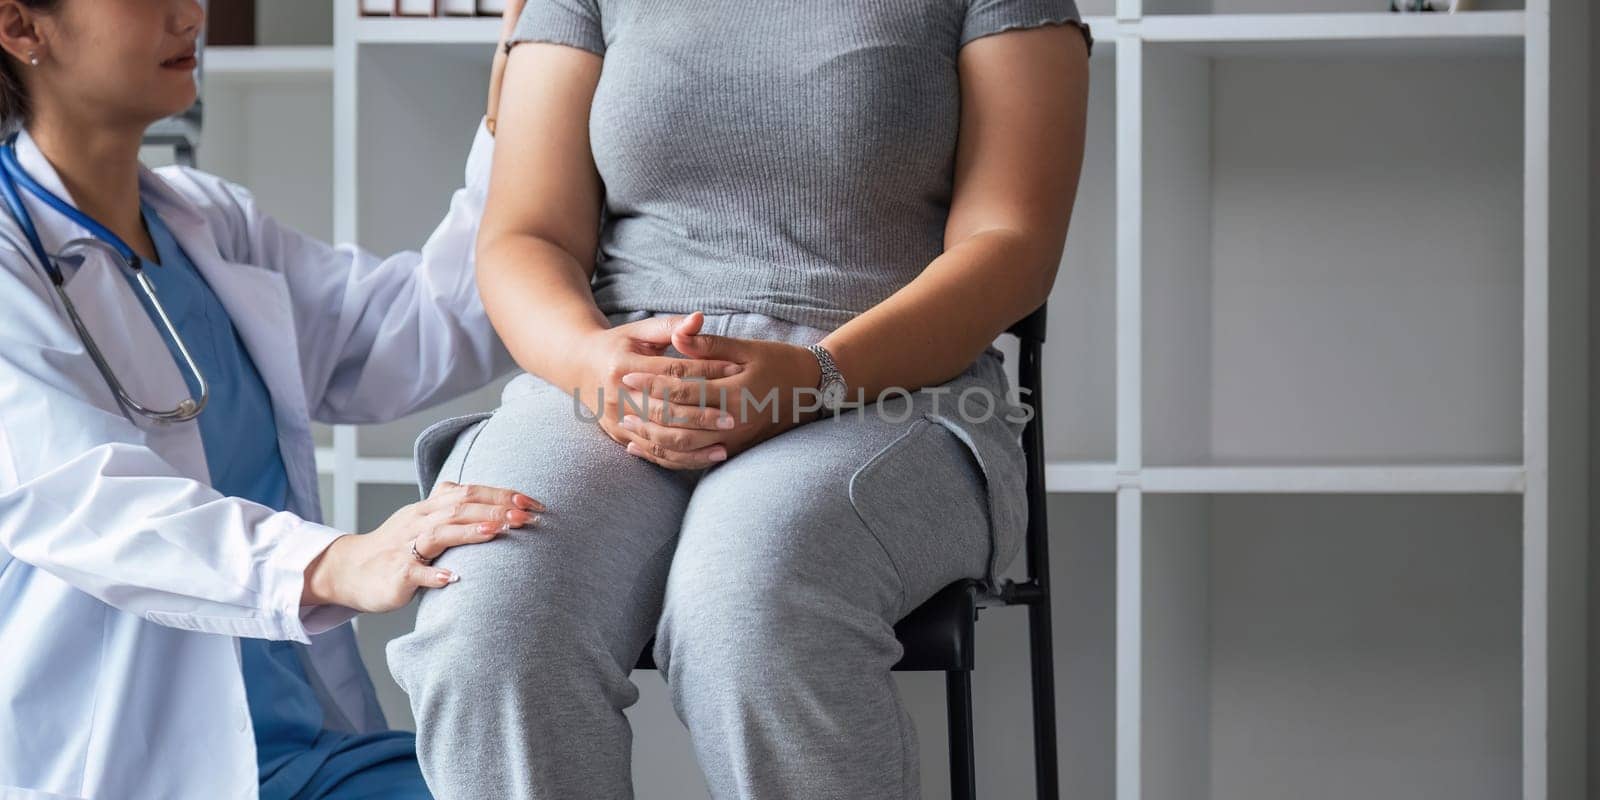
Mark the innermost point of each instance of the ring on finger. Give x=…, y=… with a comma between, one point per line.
x=418, y=556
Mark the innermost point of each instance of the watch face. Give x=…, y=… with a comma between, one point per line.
x=833, y=394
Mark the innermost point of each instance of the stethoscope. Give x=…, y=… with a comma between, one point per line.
x=11, y=175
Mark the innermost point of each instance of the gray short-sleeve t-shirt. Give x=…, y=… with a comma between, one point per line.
x=789, y=159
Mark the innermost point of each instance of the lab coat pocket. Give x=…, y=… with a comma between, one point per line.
x=923, y=497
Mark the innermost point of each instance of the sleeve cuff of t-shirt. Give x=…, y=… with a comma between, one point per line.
x=1034, y=13
x=555, y=23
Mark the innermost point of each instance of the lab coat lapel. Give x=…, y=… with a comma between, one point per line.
x=258, y=303
x=107, y=303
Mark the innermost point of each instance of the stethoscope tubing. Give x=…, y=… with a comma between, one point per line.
x=12, y=174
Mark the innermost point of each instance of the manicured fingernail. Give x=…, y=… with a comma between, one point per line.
x=448, y=577
x=524, y=501
x=633, y=380
x=518, y=518
x=630, y=422
x=534, y=521
x=725, y=421
x=633, y=448
x=732, y=369
x=719, y=454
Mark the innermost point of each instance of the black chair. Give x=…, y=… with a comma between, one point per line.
x=939, y=636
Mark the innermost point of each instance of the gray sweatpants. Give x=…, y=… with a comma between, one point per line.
x=771, y=583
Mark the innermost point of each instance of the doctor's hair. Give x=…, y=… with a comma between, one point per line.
x=14, y=106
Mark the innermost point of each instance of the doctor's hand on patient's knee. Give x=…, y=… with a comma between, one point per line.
x=640, y=347
x=380, y=571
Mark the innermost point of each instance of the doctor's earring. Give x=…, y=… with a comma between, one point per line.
x=33, y=58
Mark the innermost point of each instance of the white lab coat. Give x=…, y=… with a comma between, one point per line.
x=124, y=577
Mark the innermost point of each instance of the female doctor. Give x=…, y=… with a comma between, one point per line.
x=158, y=565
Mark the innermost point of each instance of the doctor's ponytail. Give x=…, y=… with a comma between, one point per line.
x=14, y=105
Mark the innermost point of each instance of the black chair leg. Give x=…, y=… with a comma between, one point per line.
x=1045, y=774
x=963, y=762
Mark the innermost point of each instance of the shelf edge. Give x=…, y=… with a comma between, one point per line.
x=1398, y=479
x=268, y=62
x=1202, y=28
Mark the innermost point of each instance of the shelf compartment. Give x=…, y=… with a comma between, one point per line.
x=1353, y=646
x=1080, y=350
x=322, y=434
x=1083, y=602
x=414, y=102
x=1332, y=266
x=249, y=94
x=325, y=489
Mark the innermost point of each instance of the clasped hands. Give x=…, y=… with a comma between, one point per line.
x=725, y=396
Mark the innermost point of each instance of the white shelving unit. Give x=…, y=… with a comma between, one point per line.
x=1313, y=398
x=413, y=30
x=268, y=62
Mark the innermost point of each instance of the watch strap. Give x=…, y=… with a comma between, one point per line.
x=830, y=376
x=830, y=370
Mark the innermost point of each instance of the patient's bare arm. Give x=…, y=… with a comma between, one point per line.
x=538, y=239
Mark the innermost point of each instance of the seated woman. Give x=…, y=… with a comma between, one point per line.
x=886, y=180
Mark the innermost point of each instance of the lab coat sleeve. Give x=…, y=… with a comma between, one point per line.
x=83, y=497
x=384, y=337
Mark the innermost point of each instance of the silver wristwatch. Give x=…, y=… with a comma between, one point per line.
x=832, y=383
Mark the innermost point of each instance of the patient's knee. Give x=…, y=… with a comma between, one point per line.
x=529, y=655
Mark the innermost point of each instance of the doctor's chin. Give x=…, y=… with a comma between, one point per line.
x=723, y=400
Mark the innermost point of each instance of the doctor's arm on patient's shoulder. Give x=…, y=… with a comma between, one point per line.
x=379, y=337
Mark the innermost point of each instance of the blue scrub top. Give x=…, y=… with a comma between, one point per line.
x=297, y=756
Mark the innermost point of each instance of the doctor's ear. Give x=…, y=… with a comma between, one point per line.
x=20, y=31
